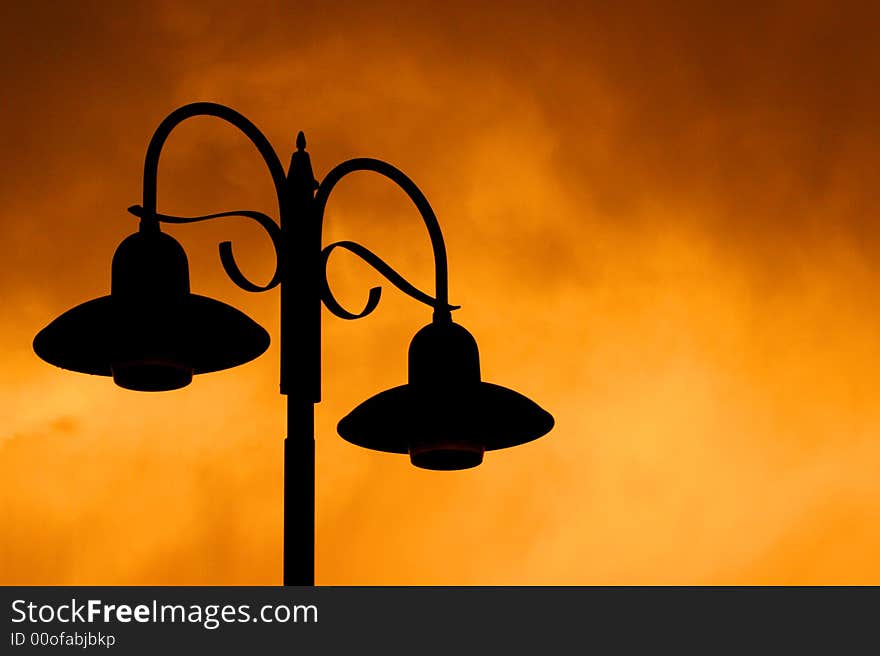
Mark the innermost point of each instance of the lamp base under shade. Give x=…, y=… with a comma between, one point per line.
x=151, y=375
x=446, y=455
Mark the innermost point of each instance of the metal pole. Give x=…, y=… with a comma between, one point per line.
x=300, y=364
x=299, y=494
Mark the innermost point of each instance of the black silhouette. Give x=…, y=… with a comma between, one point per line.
x=152, y=334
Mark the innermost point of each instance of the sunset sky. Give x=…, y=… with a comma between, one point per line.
x=663, y=225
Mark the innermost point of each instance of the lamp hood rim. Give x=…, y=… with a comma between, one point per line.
x=498, y=417
x=216, y=335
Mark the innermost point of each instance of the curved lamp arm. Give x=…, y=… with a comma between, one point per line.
x=440, y=303
x=150, y=218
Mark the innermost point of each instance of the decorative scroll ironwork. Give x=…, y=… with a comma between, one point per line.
x=441, y=302
x=150, y=218
x=225, y=248
x=375, y=292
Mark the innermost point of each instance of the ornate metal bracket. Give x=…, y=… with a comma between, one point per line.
x=441, y=305
x=150, y=218
x=375, y=292
x=226, y=257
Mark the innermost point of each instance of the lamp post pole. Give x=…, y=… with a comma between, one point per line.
x=152, y=334
x=300, y=350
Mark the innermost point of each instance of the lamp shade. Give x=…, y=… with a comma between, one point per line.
x=150, y=333
x=446, y=417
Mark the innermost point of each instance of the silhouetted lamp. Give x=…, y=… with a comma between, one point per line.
x=152, y=334
x=446, y=416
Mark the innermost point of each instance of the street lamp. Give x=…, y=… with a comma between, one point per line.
x=151, y=333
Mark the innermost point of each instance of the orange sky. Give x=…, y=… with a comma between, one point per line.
x=661, y=224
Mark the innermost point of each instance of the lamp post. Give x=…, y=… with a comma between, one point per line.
x=152, y=334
